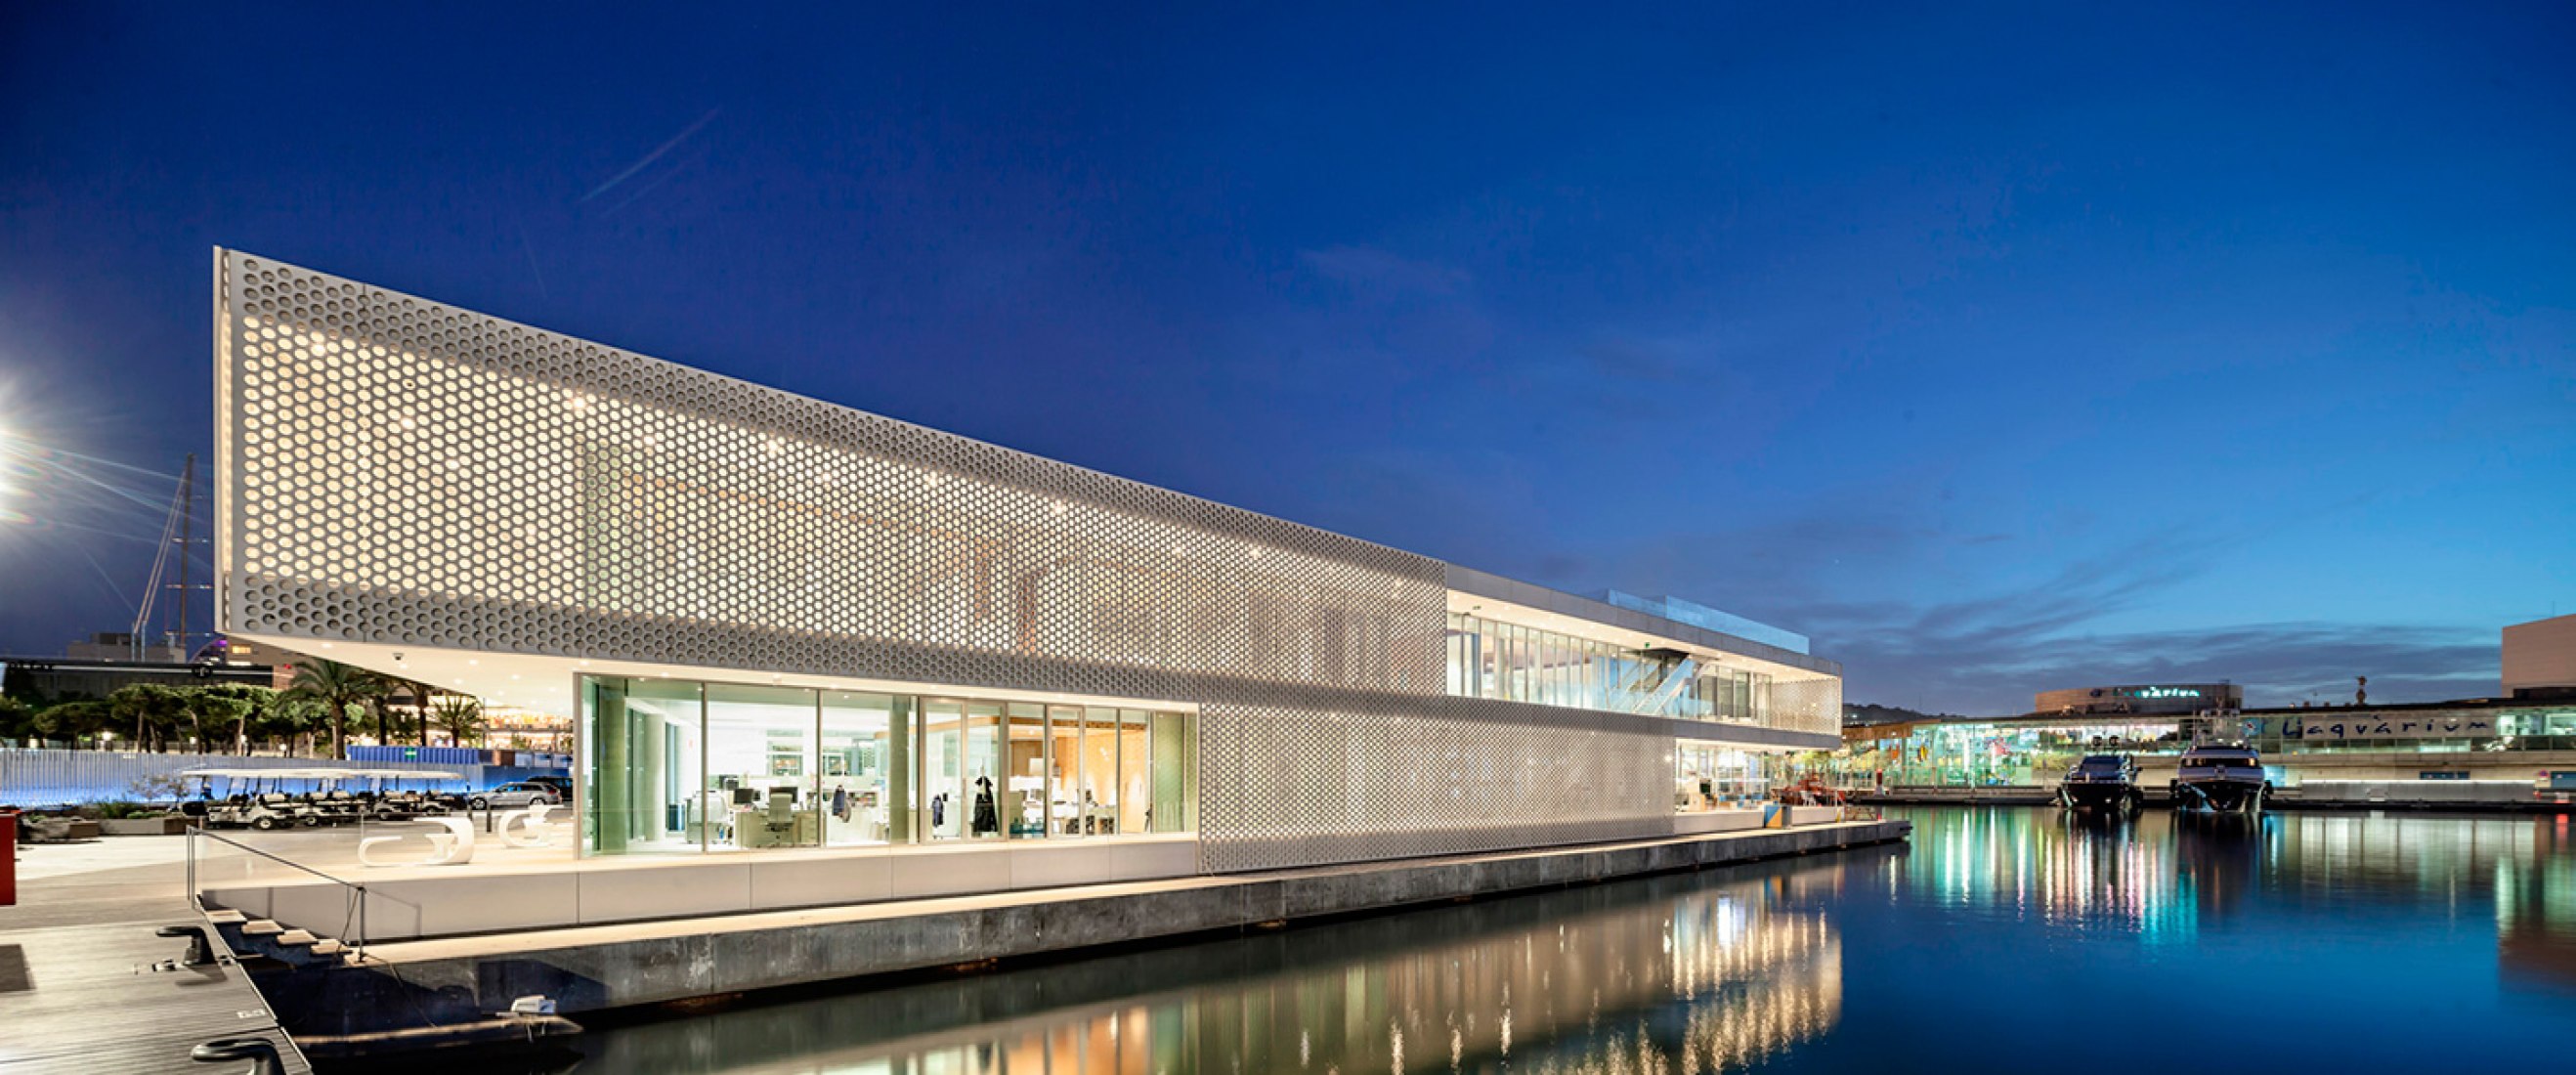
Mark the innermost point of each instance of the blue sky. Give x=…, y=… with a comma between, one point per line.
x=1999, y=348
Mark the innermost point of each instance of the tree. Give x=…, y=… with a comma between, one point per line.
x=336, y=687
x=291, y=717
x=461, y=717
x=154, y=710
x=227, y=704
x=17, y=719
x=246, y=703
x=73, y=720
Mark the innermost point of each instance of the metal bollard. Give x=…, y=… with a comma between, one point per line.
x=261, y=1052
x=200, y=953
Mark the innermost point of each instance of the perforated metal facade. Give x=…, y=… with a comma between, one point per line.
x=397, y=471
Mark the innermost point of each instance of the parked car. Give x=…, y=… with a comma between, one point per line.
x=519, y=793
x=561, y=784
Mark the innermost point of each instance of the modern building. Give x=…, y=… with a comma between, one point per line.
x=2142, y=698
x=779, y=623
x=2540, y=658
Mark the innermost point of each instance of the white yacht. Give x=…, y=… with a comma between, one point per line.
x=2220, y=776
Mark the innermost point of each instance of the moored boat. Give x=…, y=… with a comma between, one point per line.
x=2101, y=782
x=2220, y=776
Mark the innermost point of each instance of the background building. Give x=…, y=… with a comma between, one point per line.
x=2142, y=698
x=2540, y=657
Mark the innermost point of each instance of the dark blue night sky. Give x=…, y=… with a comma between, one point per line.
x=1999, y=348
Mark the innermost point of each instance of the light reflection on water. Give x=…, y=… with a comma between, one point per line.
x=1999, y=938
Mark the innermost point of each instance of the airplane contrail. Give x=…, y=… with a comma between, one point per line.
x=649, y=158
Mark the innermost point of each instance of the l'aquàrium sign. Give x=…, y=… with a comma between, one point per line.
x=2337, y=727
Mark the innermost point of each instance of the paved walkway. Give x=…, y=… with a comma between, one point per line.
x=113, y=879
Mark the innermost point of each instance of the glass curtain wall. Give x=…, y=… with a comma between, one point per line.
x=1493, y=659
x=1708, y=777
x=677, y=765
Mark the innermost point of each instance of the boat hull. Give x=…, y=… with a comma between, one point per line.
x=2218, y=793
x=2105, y=795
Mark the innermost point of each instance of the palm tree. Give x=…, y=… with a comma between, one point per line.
x=421, y=694
x=337, y=687
x=461, y=717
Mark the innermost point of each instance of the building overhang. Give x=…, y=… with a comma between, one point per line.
x=1480, y=593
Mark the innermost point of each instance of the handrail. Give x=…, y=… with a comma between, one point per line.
x=219, y=838
x=196, y=900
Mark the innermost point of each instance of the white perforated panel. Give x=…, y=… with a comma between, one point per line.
x=1340, y=786
x=1808, y=705
x=396, y=471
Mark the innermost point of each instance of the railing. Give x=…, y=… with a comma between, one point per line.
x=357, y=892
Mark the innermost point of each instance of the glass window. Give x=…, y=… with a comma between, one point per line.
x=943, y=768
x=1710, y=777
x=678, y=765
x=1064, y=764
x=1135, y=770
x=987, y=770
x=1175, y=773
x=1099, y=783
x=761, y=767
x=1024, y=792
x=644, y=757
x=866, y=740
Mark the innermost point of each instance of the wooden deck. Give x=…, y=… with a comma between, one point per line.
x=86, y=999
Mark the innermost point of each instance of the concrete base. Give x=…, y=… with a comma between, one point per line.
x=602, y=967
x=1716, y=821
x=423, y=902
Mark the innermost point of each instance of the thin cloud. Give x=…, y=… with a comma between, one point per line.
x=1379, y=274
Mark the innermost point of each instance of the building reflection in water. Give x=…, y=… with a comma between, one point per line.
x=1688, y=973
x=2536, y=909
x=2124, y=875
x=2165, y=876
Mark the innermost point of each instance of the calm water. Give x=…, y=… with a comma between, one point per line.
x=1999, y=940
